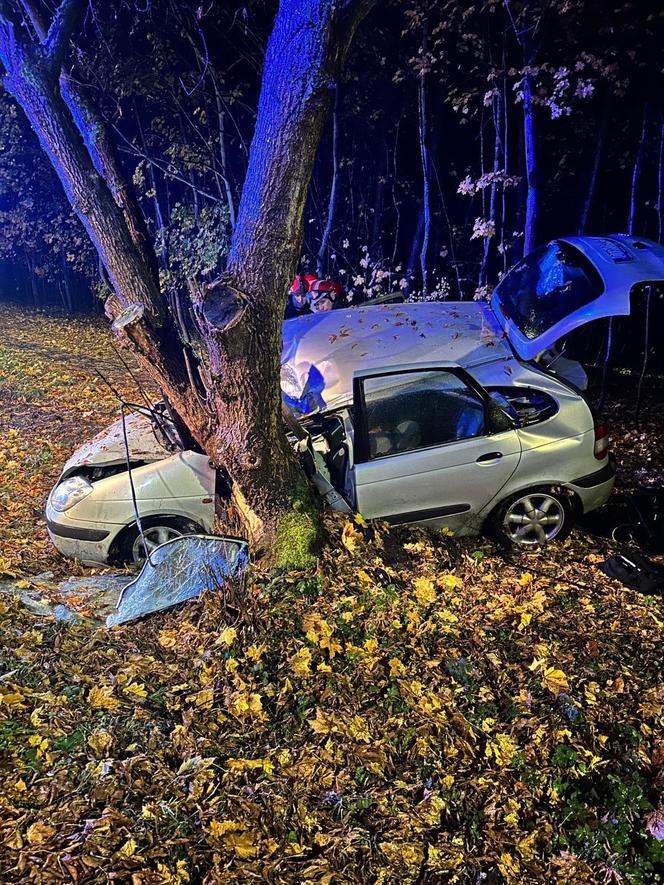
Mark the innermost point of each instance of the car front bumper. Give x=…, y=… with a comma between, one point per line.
x=89, y=542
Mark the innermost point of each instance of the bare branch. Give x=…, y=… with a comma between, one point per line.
x=12, y=45
x=62, y=27
x=36, y=18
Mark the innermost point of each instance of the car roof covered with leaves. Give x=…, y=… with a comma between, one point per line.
x=322, y=351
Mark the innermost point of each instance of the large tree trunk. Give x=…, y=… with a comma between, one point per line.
x=241, y=316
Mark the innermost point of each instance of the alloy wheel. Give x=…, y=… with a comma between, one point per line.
x=153, y=537
x=534, y=519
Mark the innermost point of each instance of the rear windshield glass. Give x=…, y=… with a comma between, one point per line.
x=546, y=286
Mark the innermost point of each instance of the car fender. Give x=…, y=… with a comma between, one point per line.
x=180, y=485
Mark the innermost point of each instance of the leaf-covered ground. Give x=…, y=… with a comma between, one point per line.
x=417, y=710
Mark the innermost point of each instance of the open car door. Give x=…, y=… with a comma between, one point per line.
x=430, y=445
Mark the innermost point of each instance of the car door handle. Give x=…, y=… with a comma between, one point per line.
x=490, y=456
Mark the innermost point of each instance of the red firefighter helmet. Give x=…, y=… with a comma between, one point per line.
x=324, y=295
x=299, y=283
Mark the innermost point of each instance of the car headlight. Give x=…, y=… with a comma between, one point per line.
x=69, y=492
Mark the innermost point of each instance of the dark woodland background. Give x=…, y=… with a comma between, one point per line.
x=461, y=134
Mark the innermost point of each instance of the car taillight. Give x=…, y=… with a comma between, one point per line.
x=602, y=441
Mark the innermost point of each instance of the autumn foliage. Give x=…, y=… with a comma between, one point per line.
x=416, y=709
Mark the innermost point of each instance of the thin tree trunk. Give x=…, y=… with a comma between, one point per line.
x=33, y=281
x=660, y=184
x=636, y=173
x=519, y=209
x=448, y=223
x=221, y=116
x=397, y=226
x=415, y=249
x=332, y=202
x=592, y=183
x=376, y=241
x=492, y=190
x=532, y=176
x=158, y=217
x=66, y=288
x=505, y=125
x=426, y=208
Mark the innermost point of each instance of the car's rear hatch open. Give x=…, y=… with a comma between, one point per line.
x=570, y=282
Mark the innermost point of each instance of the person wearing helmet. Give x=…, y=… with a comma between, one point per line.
x=297, y=297
x=324, y=295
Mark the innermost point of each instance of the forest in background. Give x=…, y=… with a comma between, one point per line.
x=461, y=135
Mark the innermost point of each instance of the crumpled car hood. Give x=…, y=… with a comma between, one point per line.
x=108, y=448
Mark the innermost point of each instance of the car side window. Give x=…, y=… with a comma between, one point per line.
x=407, y=411
x=525, y=404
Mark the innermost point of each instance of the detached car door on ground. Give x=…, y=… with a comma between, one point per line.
x=430, y=445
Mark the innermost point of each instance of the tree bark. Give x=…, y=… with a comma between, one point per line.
x=241, y=315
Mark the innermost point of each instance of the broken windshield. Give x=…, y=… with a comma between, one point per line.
x=546, y=286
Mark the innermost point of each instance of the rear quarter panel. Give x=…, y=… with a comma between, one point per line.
x=557, y=450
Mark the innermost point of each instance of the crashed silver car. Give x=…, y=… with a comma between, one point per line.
x=464, y=415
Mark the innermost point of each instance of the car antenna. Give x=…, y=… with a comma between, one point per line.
x=134, y=407
x=133, y=378
x=116, y=393
x=124, y=406
x=153, y=412
x=131, y=485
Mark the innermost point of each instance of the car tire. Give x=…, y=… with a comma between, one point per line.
x=157, y=530
x=532, y=518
